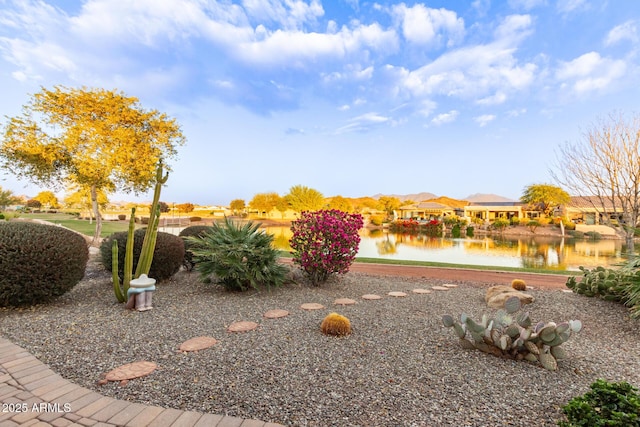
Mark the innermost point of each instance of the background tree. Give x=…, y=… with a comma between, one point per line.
x=164, y=207
x=47, y=199
x=544, y=197
x=7, y=198
x=185, y=207
x=389, y=204
x=303, y=198
x=341, y=203
x=605, y=167
x=34, y=204
x=79, y=197
x=95, y=138
x=264, y=202
x=237, y=206
x=282, y=205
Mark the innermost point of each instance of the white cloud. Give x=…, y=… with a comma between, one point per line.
x=443, y=118
x=484, y=119
x=364, y=123
x=517, y=112
x=426, y=26
x=626, y=31
x=590, y=72
x=526, y=4
x=568, y=6
x=290, y=14
x=495, y=99
x=476, y=71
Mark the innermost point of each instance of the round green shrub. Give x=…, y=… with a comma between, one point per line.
x=167, y=256
x=39, y=262
x=191, y=231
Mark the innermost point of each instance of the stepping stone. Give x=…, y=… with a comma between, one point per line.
x=312, y=306
x=450, y=285
x=421, y=291
x=197, y=343
x=276, y=314
x=243, y=326
x=439, y=288
x=130, y=371
x=344, y=301
x=371, y=297
x=397, y=294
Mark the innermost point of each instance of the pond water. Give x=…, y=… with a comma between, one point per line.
x=522, y=252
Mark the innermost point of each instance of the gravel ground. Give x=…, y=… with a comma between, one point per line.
x=399, y=367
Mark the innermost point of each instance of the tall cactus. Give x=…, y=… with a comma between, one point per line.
x=121, y=291
x=148, y=243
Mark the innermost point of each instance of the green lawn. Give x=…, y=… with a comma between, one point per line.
x=80, y=225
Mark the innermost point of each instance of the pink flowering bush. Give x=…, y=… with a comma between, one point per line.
x=325, y=242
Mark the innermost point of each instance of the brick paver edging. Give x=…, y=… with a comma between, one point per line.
x=31, y=394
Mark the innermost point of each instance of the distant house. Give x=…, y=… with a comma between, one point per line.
x=591, y=210
x=424, y=211
x=490, y=211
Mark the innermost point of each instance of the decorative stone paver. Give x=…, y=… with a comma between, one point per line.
x=450, y=285
x=198, y=343
x=131, y=371
x=371, y=297
x=242, y=326
x=421, y=291
x=344, y=301
x=439, y=288
x=312, y=306
x=276, y=313
x=397, y=294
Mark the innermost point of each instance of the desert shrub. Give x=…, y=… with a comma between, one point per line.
x=533, y=224
x=1, y=216
x=144, y=220
x=469, y=231
x=167, y=255
x=377, y=219
x=237, y=256
x=195, y=219
x=405, y=226
x=593, y=235
x=500, y=224
x=455, y=231
x=39, y=262
x=122, y=217
x=433, y=228
x=514, y=220
x=325, y=242
x=193, y=230
x=607, y=404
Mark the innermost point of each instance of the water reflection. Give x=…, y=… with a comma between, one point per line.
x=528, y=252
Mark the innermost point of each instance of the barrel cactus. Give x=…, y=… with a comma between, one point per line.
x=336, y=324
x=511, y=334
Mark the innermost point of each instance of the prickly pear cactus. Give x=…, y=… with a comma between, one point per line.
x=511, y=334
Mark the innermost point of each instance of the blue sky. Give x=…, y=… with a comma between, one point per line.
x=349, y=97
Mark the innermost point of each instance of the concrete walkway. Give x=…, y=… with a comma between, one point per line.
x=31, y=394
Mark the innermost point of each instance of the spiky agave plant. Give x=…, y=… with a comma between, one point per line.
x=239, y=256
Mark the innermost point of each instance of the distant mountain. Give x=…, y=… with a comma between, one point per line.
x=484, y=198
x=402, y=197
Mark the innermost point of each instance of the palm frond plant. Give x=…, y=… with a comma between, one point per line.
x=238, y=256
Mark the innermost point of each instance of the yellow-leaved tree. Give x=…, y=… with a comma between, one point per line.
x=98, y=139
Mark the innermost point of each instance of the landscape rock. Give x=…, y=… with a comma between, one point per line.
x=497, y=295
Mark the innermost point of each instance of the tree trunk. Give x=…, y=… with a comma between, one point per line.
x=96, y=213
x=629, y=238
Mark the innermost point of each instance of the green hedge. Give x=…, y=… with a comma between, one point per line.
x=39, y=262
